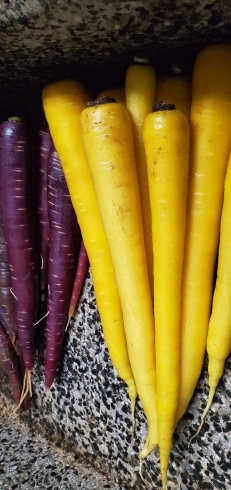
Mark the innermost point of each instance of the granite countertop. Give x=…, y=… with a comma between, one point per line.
x=42, y=40
x=87, y=412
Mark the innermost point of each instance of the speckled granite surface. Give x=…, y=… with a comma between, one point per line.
x=42, y=39
x=30, y=461
x=87, y=413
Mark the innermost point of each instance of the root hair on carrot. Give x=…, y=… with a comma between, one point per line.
x=13, y=294
x=36, y=323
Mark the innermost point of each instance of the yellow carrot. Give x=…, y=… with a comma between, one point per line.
x=108, y=142
x=117, y=93
x=219, y=332
x=63, y=102
x=175, y=89
x=140, y=87
x=166, y=141
x=210, y=147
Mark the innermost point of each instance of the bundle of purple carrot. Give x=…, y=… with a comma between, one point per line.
x=42, y=254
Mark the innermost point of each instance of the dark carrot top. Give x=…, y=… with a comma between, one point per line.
x=102, y=100
x=161, y=105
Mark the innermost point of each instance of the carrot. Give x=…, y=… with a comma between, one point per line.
x=219, y=331
x=108, y=143
x=118, y=93
x=79, y=279
x=140, y=87
x=166, y=142
x=45, y=143
x=210, y=147
x=15, y=162
x=63, y=102
x=175, y=90
x=6, y=298
x=10, y=363
x=62, y=260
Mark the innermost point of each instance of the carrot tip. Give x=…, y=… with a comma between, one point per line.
x=68, y=321
x=26, y=388
x=140, y=471
x=209, y=403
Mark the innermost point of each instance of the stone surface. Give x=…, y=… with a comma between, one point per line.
x=30, y=461
x=87, y=413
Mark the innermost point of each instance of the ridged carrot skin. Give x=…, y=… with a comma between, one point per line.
x=45, y=143
x=210, y=124
x=118, y=93
x=108, y=142
x=79, y=279
x=63, y=102
x=140, y=88
x=64, y=242
x=175, y=90
x=166, y=141
x=10, y=363
x=15, y=167
x=219, y=332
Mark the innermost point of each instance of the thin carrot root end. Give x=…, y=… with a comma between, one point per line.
x=150, y=444
x=133, y=406
x=209, y=403
x=26, y=389
x=68, y=321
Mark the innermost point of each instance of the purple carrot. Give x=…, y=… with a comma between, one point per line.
x=15, y=186
x=63, y=252
x=79, y=279
x=45, y=143
x=11, y=365
x=6, y=297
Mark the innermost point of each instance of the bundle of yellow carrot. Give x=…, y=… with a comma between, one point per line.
x=146, y=177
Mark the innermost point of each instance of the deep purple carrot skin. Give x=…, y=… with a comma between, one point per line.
x=45, y=142
x=10, y=363
x=63, y=253
x=15, y=187
x=79, y=279
x=6, y=297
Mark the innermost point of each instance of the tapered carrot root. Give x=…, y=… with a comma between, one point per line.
x=219, y=332
x=108, y=142
x=166, y=141
x=62, y=259
x=63, y=102
x=210, y=125
x=140, y=87
x=15, y=163
x=79, y=279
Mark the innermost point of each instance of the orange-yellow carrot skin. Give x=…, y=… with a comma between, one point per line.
x=167, y=141
x=108, y=142
x=63, y=102
x=210, y=147
x=140, y=87
x=175, y=90
x=219, y=332
x=118, y=93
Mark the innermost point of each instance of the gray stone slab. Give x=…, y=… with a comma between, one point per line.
x=87, y=413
